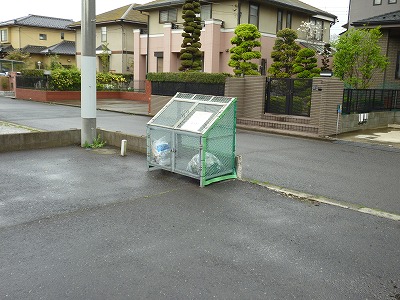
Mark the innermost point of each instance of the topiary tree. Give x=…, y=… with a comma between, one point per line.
x=242, y=54
x=326, y=54
x=190, y=53
x=284, y=54
x=358, y=56
x=306, y=64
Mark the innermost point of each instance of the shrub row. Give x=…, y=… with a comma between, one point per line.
x=199, y=77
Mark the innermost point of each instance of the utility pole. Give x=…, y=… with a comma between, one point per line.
x=88, y=65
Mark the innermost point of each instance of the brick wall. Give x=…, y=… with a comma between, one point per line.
x=394, y=47
x=48, y=96
x=250, y=92
x=327, y=94
x=157, y=102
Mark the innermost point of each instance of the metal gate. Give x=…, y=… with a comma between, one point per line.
x=288, y=96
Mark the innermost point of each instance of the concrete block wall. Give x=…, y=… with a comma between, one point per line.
x=157, y=102
x=375, y=120
x=327, y=94
x=114, y=138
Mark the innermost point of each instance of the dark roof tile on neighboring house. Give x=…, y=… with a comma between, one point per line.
x=291, y=4
x=124, y=14
x=63, y=48
x=385, y=19
x=33, y=49
x=6, y=48
x=39, y=21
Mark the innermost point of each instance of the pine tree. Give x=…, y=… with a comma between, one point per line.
x=242, y=54
x=190, y=53
x=284, y=54
x=306, y=64
x=325, y=57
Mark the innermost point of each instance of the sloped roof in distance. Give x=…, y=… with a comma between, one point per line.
x=39, y=21
x=122, y=14
x=291, y=4
x=385, y=19
x=33, y=49
x=63, y=48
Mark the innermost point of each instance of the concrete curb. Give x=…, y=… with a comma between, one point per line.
x=39, y=140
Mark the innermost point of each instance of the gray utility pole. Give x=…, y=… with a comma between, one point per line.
x=88, y=65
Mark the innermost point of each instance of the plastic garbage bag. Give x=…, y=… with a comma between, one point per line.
x=161, y=152
x=213, y=164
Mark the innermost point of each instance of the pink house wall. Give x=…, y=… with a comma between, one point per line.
x=215, y=42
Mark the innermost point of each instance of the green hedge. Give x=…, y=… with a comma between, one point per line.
x=199, y=77
x=32, y=73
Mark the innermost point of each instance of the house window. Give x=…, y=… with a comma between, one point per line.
x=168, y=15
x=397, y=76
x=160, y=63
x=377, y=2
x=253, y=14
x=279, y=21
x=288, y=19
x=62, y=35
x=205, y=13
x=42, y=36
x=3, y=35
x=392, y=1
x=104, y=34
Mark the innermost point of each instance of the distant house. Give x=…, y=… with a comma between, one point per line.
x=39, y=35
x=159, y=48
x=114, y=38
x=386, y=14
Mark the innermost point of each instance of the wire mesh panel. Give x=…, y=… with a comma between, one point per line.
x=187, y=154
x=220, y=142
x=159, y=147
x=194, y=135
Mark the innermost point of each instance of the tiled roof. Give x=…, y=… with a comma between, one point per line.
x=291, y=4
x=64, y=48
x=124, y=13
x=39, y=21
x=389, y=18
x=33, y=49
x=6, y=48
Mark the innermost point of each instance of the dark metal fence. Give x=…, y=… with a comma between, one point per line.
x=289, y=96
x=34, y=83
x=168, y=88
x=368, y=100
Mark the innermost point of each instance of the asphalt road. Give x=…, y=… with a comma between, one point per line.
x=362, y=174
x=85, y=224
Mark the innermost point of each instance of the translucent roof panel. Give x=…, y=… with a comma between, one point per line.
x=174, y=112
x=190, y=112
x=199, y=117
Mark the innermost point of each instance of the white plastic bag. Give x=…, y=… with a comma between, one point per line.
x=213, y=164
x=161, y=152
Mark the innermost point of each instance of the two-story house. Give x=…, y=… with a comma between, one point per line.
x=158, y=49
x=386, y=14
x=40, y=36
x=114, y=38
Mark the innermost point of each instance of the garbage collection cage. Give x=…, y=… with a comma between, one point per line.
x=194, y=135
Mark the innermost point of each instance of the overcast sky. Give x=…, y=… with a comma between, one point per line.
x=71, y=9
